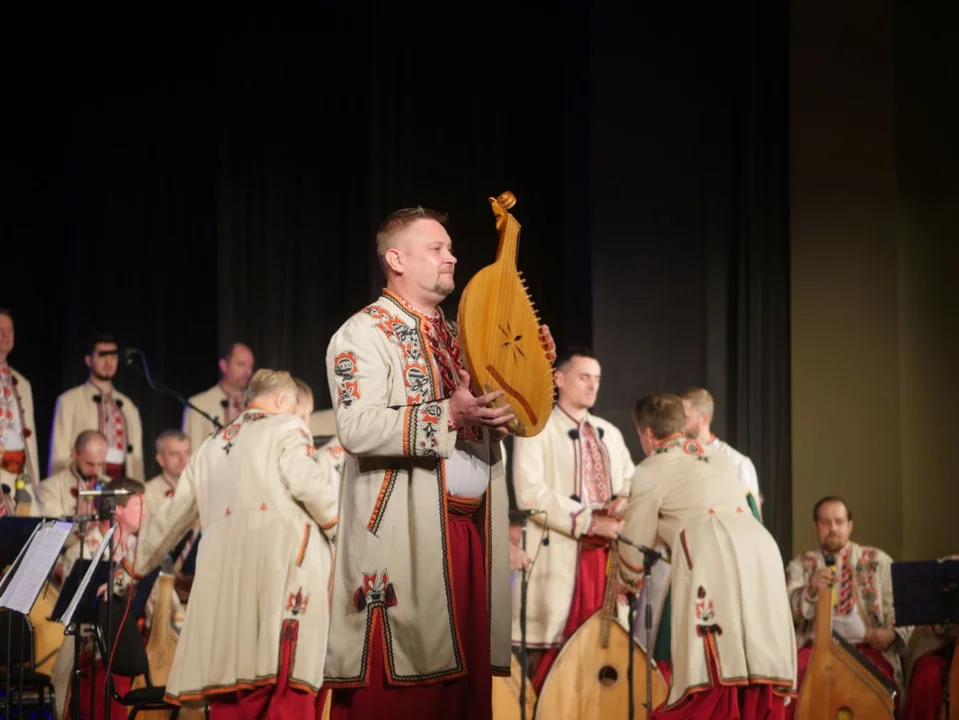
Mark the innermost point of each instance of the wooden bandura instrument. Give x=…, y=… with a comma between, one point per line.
x=499, y=332
x=589, y=677
x=161, y=645
x=840, y=682
x=506, y=694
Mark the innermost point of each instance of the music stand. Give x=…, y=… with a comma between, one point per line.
x=38, y=542
x=76, y=605
x=926, y=592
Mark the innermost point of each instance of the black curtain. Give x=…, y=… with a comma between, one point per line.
x=187, y=182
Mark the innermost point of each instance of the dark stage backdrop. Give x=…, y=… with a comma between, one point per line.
x=227, y=185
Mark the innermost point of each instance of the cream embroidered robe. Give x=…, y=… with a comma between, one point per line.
x=215, y=403
x=548, y=475
x=23, y=394
x=78, y=410
x=727, y=582
x=394, y=425
x=266, y=511
x=155, y=491
x=744, y=468
x=58, y=496
x=871, y=574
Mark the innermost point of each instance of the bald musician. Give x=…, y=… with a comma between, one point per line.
x=259, y=606
x=19, y=467
x=98, y=405
x=862, y=611
x=732, y=646
x=223, y=401
x=421, y=605
x=578, y=469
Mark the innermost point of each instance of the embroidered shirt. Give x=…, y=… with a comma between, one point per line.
x=11, y=429
x=114, y=428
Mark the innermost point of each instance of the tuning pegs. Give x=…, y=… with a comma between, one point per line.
x=506, y=200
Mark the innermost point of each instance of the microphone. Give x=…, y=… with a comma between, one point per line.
x=649, y=553
x=106, y=492
x=831, y=564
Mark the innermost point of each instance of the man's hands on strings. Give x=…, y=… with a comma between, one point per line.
x=467, y=409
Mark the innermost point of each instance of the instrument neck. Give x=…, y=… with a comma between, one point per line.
x=508, y=239
x=609, y=596
x=823, y=617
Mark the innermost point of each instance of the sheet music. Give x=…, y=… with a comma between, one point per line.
x=25, y=585
x=81, y=588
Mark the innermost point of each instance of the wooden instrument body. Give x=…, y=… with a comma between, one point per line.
x=590, y=676
x=506, y=694
x=837, y=683
x=499, y=332
x=47, y=634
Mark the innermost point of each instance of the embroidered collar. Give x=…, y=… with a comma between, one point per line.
x=403, y=303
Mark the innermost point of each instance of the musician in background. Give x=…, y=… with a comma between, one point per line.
x=578, y=470
x=423, y=501
x=59, y=496
x=223, y=401
x=128, y=515
x=98, y=405
x=732, y=646
x=19, y=469
x=862, y=597
x=932, y=649
x=254, y=638
x=172, y=455
x=699, y=407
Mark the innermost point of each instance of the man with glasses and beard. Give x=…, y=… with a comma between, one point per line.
x=98, y=405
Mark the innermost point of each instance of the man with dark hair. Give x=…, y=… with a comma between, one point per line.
x=19, y=469
x=861, y=578
x=98, y=405
x=732, y=647
x=578, y=471
x=223, y=401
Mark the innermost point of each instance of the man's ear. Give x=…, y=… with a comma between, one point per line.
x=395, y=261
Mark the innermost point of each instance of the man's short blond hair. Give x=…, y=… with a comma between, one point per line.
x=303, y=391
x=268, y=382
x=700, y=399
x=396, y=222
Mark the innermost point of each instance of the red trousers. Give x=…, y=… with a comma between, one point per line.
x=118, y=711
x=274, y=701
x=729, y=702
x=924, y=698
x=587, y=599
x=874, y=656
x=467, y=698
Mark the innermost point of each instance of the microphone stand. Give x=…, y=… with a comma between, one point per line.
x=524, y=583
x=82, y=521
x=161, y=389
x=650, y=557
x=110, y=504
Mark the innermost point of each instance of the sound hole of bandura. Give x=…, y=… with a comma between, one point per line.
x=844, y=713
x=608, y=676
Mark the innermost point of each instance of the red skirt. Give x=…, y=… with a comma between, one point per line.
x=924, y=699
x=587, y=599
x=469, y=697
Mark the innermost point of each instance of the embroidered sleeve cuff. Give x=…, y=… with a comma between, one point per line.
x=581, y=522
x=427, y=430
x=807, y=606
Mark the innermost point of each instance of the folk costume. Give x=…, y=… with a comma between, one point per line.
x=19, y=470
x=732, y=644
x=746, y=470
x=862, y=602
x=571, y=470
x=216, y=403
x=421, y=603
x=932, y=652
x=86, y=407
x=254, y=636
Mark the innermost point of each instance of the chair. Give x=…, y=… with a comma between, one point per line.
x=130, y=660
x=22, y=646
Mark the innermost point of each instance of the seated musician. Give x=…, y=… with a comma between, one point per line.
x=932, y=653
x=129, y=513
x=862, y=599
x=577, y=470
x=730, y=616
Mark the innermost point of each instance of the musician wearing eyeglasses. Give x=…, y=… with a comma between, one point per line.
x=223, y=401
x=421, y=604
x=19, y=471
x=578, y=470
x=861, y=579
x=732, y=646
x=98, y=405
